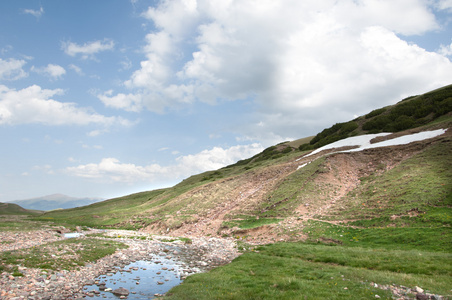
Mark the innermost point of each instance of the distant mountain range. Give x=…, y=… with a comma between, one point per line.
x=55, y=201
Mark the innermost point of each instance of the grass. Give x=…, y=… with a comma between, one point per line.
x=19, y=223
x=103, y=214
x=292, y=192
x=14, y=209
x=425, y=237
x=301, y=271
x=165, y=208
x=401, y=235
x=61, y=255
x=337, y=262
x=249, y=223
x=420, y=184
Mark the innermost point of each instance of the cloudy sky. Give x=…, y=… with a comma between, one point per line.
x=105, y=98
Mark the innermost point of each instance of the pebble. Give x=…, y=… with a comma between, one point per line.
x=51, y=285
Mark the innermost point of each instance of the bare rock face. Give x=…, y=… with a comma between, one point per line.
x=121, y=292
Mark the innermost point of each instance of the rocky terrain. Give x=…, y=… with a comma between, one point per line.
x=200, y=255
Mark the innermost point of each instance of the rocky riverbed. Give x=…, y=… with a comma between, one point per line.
x=193, y=256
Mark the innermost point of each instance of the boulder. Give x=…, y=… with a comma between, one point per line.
x=121, y=292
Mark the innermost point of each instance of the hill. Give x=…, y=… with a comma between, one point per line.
x=366, y=215
x=55, y=201
x=14, y=209
x=278, y=193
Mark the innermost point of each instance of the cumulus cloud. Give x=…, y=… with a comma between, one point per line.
x=312, y=62
x=130, y=102
x=87, y=50
x=215, y=158
x=51, y=70
x=11, y=69
x=112, y=170
x=35, y=105
x=35, y=12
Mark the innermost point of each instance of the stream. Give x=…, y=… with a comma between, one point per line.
x=143, y=280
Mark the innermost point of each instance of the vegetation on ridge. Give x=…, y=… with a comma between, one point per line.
x=409, y=113
x=351, y=223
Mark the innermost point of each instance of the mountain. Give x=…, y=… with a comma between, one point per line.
x=284, y=192
x=55, y=201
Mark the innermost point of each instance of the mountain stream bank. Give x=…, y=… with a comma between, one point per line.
x=146, y=269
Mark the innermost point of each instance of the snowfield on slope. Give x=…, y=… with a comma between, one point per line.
x=362, y=142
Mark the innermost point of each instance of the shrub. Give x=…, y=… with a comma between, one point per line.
x=375, y=113
x=403, y=123
x=336, y=132
x=377, y=123
x=287, y=150
x=306, y=147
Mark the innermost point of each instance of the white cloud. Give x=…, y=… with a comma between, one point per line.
x=96, y=132
x=11, y=69
x=446, y=50
x=87, y=50
x=444, y=5
x=35, y=12
x=112, y=170
x=77, y=69
x=216, y=158
x=35, y=105
x=305, y=64
x=51, y=70
x=130, y=102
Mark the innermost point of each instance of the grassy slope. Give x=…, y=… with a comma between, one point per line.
x=401, y=234
x=14, y=209
x=139, y=210
x=387, y=245
x=303, y=271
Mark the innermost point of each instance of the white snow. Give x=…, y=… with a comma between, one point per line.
x=303, y=165
x=363, y=141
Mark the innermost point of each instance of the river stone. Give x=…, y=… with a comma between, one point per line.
x=418, y=290
x=121, y=292
x=422, y=297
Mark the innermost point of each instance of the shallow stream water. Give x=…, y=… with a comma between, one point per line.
x=71, y=235
x=143, y=279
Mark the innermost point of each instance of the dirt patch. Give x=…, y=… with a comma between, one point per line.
x=339, y=175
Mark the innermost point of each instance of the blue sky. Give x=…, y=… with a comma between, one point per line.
x=105, y=98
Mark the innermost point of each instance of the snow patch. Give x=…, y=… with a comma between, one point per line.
x=303, y=165
x=362, y=142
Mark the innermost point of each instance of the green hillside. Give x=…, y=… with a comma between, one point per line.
x=14, y=209
x=357, y=225
x=412, y=112
x=427, y=111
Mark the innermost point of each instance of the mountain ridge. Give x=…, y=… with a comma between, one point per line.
x=54, y=201
x=277, y=194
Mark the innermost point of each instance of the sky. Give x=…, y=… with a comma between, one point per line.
x=106, y=98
